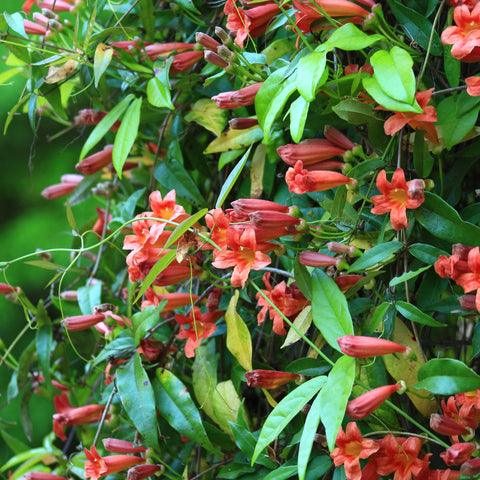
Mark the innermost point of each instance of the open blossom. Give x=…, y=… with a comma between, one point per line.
x=351, y=447
x=401, y=455
x=396, y=197
x=242, y=253
x=67, y=415
x=248, y=23
x=418, y=121
x=196, y=326
x=464, y=36
x=288, y=299
x=97, y=466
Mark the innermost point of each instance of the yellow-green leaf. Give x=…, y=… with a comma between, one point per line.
x=206, y=113
x=405, y=367
x=256, y=171
x=239, y=342
x=302, y=323
x=234, y=139
x=101, y=61
x=226, y=405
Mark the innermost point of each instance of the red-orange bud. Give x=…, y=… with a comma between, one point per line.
x=143, y=471
x=364, y=347
x=458, y=453
x=269, y=379
x=116, y=445
x=367, y=403
x=315, y=259
x=446, y=426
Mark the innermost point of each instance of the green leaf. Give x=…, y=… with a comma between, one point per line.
x=417, y=27
x=158, y=94
x=284, y=412
x=378, y=315
x=246, y=443
x=44, y=341
x=330, y=309
x=310, y=74
x=234, y=139
x=15, y=22
x=206, y=113
x=239, y=341
x=414, y=314
x=88, y=297
x=281, y=473
x=161, y=265
x=271, y=99
x=104, y=125
x=350, y=38
x=184, y=226
x=455, y=127
x=138, y=399
x=407, y=276
x=171, y=174
x=302, y=278
x=379, y=253
x=446, y=376
x=334, y=397
x=308, y=435
x=301, y=323
x=476, y=340
x=426, y=253
x=451, y=66
x=101, y=61
x=422, y=160
x=175, y=404
x=232, y=178
x=298, y=117
x=145, y=320
x=126, y=135
x=444, y=222
x=354, y=111
x=147, y=17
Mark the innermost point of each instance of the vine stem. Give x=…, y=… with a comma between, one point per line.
x=104, y=415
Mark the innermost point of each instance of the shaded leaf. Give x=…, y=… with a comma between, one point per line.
x=407, y=276
x=136, y=394
x=414, y=314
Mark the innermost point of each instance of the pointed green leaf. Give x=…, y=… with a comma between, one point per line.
x=426, y=253
x=184, y=226
x=330, y=309
x=176, y=405
x=206, y=113
x=379, y=253
x=414, y=314
x=239, y=341
x=310, y=73
x=447, y=376
x=138, y=399
x=105, y=124
x=298, y=117
x=161, y=265
x=232, y=178
x=407, y=276
x=334, y=397
x=15, y=22
x=158, y=94
x=350, y=37
x=126, y=135
x=284, y=412
x=88, y=297
x=234, y=140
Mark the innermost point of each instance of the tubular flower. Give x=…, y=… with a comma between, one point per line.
x=300, y=180
x=310, y=151
x=242, y=253
x=365, y=347
x=269, y=379
x=82, y=322
x=42, y=476
x=248, y=23
x=163, y=50
x=245, y=206
x=95, y=162
x=465, y=35
x=315, y=259
x=67, y=415
x=200, y=325
x=344, y=282
x=27, y=6
x=396, y=197
x=465, y=417
x=97, y=466
x=88, y=116
x=185, y=61
x=446, y=426
x=309, y=16
x=368, y=402
x=288, y=299
x=458, y=453
x=401, y=457
x=473, y=86
x=238, y=98
x=140, y=472
x=116, y=445
x=174, y=300
x=67, y=185
x=470, y=468
x=351, y=447
x=418, y=121
x=55, y=5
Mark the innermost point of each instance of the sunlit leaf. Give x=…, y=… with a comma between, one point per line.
x=101, y=61
x=234, y=140
x=206, y=113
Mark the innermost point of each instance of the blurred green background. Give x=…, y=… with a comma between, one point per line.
x=29, y=222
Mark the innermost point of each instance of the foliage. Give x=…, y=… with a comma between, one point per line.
x=276, y=338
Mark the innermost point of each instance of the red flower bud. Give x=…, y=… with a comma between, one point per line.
x=143, y=471
x=364, y=347
x=315, y=259
x=269, y=379
x=116, y=445
x=95, y=162
x=367, y=403
x=446, y=426
x=82, y=322
x=458, y=453
x=242, y=123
